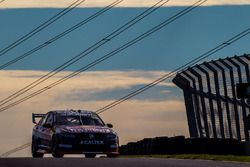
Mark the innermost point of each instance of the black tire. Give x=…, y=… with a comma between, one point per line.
x=34, y=150
x=54, y=149
x=90, y=155
x=112, y=155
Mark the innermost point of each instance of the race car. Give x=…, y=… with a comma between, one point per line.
x=73, y=132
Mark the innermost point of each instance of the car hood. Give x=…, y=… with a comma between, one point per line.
x=83, y=129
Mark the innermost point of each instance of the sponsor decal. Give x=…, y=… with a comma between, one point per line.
x=76, y=114
x=92, y=142
x=87, y=130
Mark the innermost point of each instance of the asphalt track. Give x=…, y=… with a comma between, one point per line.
x=115, y=162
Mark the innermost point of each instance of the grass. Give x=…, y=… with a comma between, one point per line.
x=198, y=156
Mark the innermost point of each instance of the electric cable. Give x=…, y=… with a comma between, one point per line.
x=112, y=53
x=41, y=27
x=55, y=38
x=86, y=52
x=174, y=72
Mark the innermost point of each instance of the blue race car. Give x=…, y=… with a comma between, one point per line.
x=73, y=132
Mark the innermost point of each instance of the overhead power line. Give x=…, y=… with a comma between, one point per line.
x=24, y=146
x=107, y=56
x=86, y=52
x=157, y=81
x=40, y=27
x=177, y=70
x=55, y=38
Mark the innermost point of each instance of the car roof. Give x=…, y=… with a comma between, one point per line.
x=73, y=112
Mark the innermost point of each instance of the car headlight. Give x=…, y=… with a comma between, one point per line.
x=111, y=136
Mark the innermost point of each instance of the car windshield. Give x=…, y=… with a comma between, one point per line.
x=77, y=120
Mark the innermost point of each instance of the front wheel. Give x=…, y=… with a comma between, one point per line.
x=54, y=149
x=34, y=150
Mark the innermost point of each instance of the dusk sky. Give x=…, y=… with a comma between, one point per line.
x=158, y=112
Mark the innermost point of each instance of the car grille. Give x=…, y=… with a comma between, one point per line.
x=90, y=136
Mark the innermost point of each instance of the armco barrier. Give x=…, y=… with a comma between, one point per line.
x=180, y=145
x=213, y=146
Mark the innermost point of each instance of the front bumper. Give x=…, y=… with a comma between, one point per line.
x=83, y=144
x=98, y=149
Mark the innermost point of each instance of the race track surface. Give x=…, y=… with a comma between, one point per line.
x=116, y=162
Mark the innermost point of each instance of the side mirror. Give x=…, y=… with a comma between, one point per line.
x=109, y=125
x=46, y=125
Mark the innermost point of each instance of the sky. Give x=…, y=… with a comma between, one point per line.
x=158, y=112
x=100, y=3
